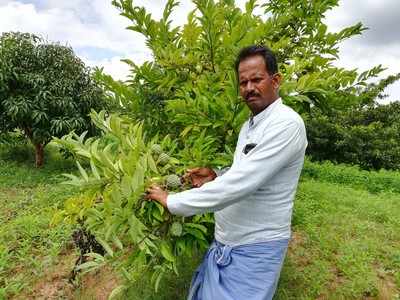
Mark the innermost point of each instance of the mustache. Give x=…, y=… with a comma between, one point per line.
x=251, y=94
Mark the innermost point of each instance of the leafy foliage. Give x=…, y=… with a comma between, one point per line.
x=45, y=89
x=187, y=100
x=191, y=85
x=135, y=233
x=367, y=136
x=11, y=139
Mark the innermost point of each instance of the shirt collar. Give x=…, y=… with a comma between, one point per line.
x=255, y=120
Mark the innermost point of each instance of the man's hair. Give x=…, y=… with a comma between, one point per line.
x=264, y=52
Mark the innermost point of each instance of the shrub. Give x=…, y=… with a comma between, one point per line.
x=367, y=136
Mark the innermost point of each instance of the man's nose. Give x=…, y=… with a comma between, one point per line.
x=249, y=86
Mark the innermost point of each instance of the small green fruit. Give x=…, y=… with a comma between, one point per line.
x=176, y=229
x=164, y=158
x=173, y=181
x=156, y=149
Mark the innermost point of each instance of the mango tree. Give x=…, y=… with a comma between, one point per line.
x=45, y=90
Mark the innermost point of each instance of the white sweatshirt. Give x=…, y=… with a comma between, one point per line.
x=253, y=200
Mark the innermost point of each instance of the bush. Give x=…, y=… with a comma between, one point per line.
x=367, y=136
x=8, y=139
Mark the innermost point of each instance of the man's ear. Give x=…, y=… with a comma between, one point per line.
x=276, y=80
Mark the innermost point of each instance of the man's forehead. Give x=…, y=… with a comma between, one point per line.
x=251, y=72
x=253, y=64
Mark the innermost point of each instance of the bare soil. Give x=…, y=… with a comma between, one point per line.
x=55, y=285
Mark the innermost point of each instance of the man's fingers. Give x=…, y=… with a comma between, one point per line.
x=194, y=170
x=154, y=187
x=151, y=190
x=190, y=173
x=186, y=175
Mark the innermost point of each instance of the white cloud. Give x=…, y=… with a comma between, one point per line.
x=115, y=67
x=69, y=24
x=380, y=44
x=79, y=24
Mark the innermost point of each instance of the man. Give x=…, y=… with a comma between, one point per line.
x=253, y=200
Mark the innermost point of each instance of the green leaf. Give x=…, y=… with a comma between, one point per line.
x=82, y=171
x=126, y=186
x=96, y=256
x=158, y=280
x=117, y=291
x=195, y=233
x=186, y=130
x=152, y=163
x=88, y=266
x=166, y=251
x=106, y=246
x=94, y=170
x=198, y=226
x=118, y=242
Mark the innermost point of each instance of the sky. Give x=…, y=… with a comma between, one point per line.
x=96, y=31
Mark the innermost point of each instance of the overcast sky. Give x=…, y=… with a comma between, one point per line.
x=97, y=33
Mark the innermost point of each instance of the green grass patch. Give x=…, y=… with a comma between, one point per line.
x=17, y=166
x=29, y=197
x=346, y=244
x=372, y=181
x=346, y=241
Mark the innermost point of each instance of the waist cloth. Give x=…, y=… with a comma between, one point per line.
x=244, y=272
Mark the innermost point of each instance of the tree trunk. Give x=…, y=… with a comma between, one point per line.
x=39, y=155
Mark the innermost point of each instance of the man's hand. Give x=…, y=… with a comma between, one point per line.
x=156, y=193
x=199, y=176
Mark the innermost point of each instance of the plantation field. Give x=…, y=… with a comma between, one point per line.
x=346, y=239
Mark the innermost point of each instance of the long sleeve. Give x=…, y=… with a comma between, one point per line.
x=279, y=146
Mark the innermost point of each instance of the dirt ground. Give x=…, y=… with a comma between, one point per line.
x=56, y=283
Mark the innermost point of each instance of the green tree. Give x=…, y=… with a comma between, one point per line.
x=187, y=100
x=367, y=136
x=45, y=90
x=191, y=85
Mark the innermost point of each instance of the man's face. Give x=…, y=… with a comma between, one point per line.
x=258, y=88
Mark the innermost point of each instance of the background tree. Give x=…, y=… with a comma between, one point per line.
x=367, y=136
x=45, y=90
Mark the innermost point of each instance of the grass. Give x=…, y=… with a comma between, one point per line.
x=346, y=241
x=372, y=181
x=28, y=199
x=346, y=244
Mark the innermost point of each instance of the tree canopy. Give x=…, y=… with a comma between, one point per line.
x=45, y=89
x=191, y=85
